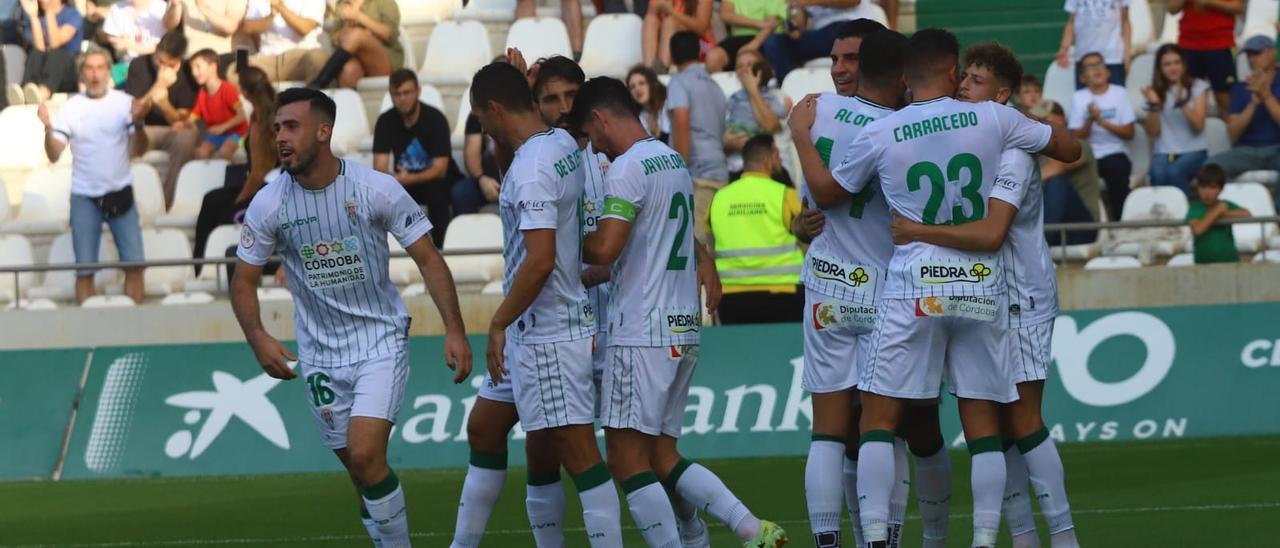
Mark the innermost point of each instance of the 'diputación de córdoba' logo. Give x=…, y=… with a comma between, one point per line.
x=230, y=398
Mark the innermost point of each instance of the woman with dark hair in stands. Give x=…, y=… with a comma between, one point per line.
x=1177, y=106
x=226, y=205
x=647, y=90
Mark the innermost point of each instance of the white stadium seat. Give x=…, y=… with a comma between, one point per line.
x=22, y=153
x=414, y=290
x=609, y=48
x=1152, y=203
x=1254, y=197
x=403, y=270
x=1259, y=18
x=470, y=233
x=1139, y=148
x=148, y=192
x=803, y=81
x=487, y=10
x=455, y=52
x=1169, y=32
x=425, y=12
x=213, y=276
x=15, y=250
x=1060, y=85
x=728, y=82
x=59, y=285
x=1139, y=76
x=15, y=61
x=492, y=288
x=429, y=95
x=108, y=301
x=1141, y=27
x=198, y=297
x=381, y=83
x=539, y=37
x=195, y=180
x=352, y=124
x=32, y=304
x=1182, y=259
x=46, y=203
x=160, y=245
x=5, y=209
x=1111, y=263
x=459, y=135
x=1215, y=130
x=1269, y=256
x=278, y=294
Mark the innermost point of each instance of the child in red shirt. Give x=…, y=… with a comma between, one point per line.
x=218, y=104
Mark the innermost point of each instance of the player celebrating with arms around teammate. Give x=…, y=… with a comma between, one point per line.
x=1015, y=225
x=936, y=161
x=328, y=219
x=645, y=233
x=540, y=336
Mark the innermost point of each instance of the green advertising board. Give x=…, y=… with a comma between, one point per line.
x=37, y=390
x=208, y=409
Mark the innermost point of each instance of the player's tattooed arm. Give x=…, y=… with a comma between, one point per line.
x=539, y=262
x=439, y=281
x=985, y=235
x=272, y=356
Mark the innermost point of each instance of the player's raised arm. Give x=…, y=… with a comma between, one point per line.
x=439, y=281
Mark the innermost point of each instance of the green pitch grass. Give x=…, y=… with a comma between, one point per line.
x=1223, y=492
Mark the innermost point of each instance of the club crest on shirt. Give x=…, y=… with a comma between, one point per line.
x=246, y=237
x=352, y=211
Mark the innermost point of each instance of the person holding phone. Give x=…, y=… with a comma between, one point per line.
x=756, y=109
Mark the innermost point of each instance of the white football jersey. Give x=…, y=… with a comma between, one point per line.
x=847, y=261
x=334, y=245
x=654, y=298
x=1028, y=266
x=937, y=161
x=596, y=165
x=543, y=190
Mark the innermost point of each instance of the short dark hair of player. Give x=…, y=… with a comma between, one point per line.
x=557, y=67
x=1211, y=175
x=400, y=77
x=601, y=93
x=502, y=84
x=1030, y=81
x=685, y=47
x=757, y=149
x=1085, y=57
x=885, y=67
x=173, y=44
x=1000, y=60
x=207, y=55
x=858, y=28
x=320, y=103
x=929, y=52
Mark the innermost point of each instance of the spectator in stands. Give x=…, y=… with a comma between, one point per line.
x=366, y=42
x=1254, y=122
x=1071, y=191
x=1101, y=113
x=288, y=34
x=164, y=82
x=52, y=31
x=99, y=126
x=1030, y=92
x=750, y=22
x=1206, y=33
x=1214, y=243
x=570, y=11
x=665, y=18
x=811, y=29
x=411, y=142
x=482, y=185
x=10, y=17
x=696, y=107
x=134, y=27
x=210, y=24
x=758, y=257
x=1097, y=26
x=226, y=205
x=756, y=109
x=1176, y=109
x=218, y=106
x=651, y=94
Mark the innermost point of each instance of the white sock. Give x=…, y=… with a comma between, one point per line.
x=822, y=495
x=702, y=488
x=933, y=494
x=544, y=500
x=851, y=498
x=875, y=484
x=1017, y=506
x=651, y=510
x=370, y=527
x=385, y=502
x=601, y=511
x=1048, y=479
x=480, y=490
x=901, y=490
x=988, y=479
x=1064, y=539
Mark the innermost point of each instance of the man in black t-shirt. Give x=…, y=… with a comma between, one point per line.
x=411, y=142
x=165, y=82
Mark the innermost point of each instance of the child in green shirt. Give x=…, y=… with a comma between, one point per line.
x=1213, y=243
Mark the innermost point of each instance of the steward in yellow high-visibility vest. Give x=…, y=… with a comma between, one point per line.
x=758, y=257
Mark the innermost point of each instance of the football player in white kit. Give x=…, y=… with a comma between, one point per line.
x=328, y=219
x=1015, y=220
x=936, y=161
x=646, y=235
x=540, y=336
x=844, y=271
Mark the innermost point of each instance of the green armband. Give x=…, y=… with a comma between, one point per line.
x=617, y=207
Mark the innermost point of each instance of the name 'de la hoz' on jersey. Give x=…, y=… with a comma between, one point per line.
x=333, y=264
x=662, y=163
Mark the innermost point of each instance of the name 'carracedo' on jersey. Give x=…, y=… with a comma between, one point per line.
x=847, y=261
x=543, y=190
x=936, y=161
x=1032, y=281
x=334, y=245
x=595, y=165
x=654, y=298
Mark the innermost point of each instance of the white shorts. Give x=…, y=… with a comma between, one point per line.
x=646, y=388
x=551, y=383
x=834, y=331
x=1032, y=351
x=917, y=341
x=599, y=355
x=499, y=391
x=373, y=388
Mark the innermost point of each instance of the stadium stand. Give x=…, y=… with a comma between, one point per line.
x=608, y=48
x=15, y=250
x=148, y=193
x=212, y=277
x=1259, y=18
x=1112, y=263
x=46, y=202
x=1146, y=204
x=1142, y=32
x=473, y=232
x=352, y=124
x=728, y=82
x=167, y=244
x=1251, y=237
x=539, y=37
x=1182, y=259
x=803, y=81
x=1140, y=154
x=59, y=285
x=487, y=10
x=1060, y=85
x=417, y=12
x=178, y=299
x=454, y=52
x=196, y=179
x=1169, y=29
x=1138, y=77
x=108, y=301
